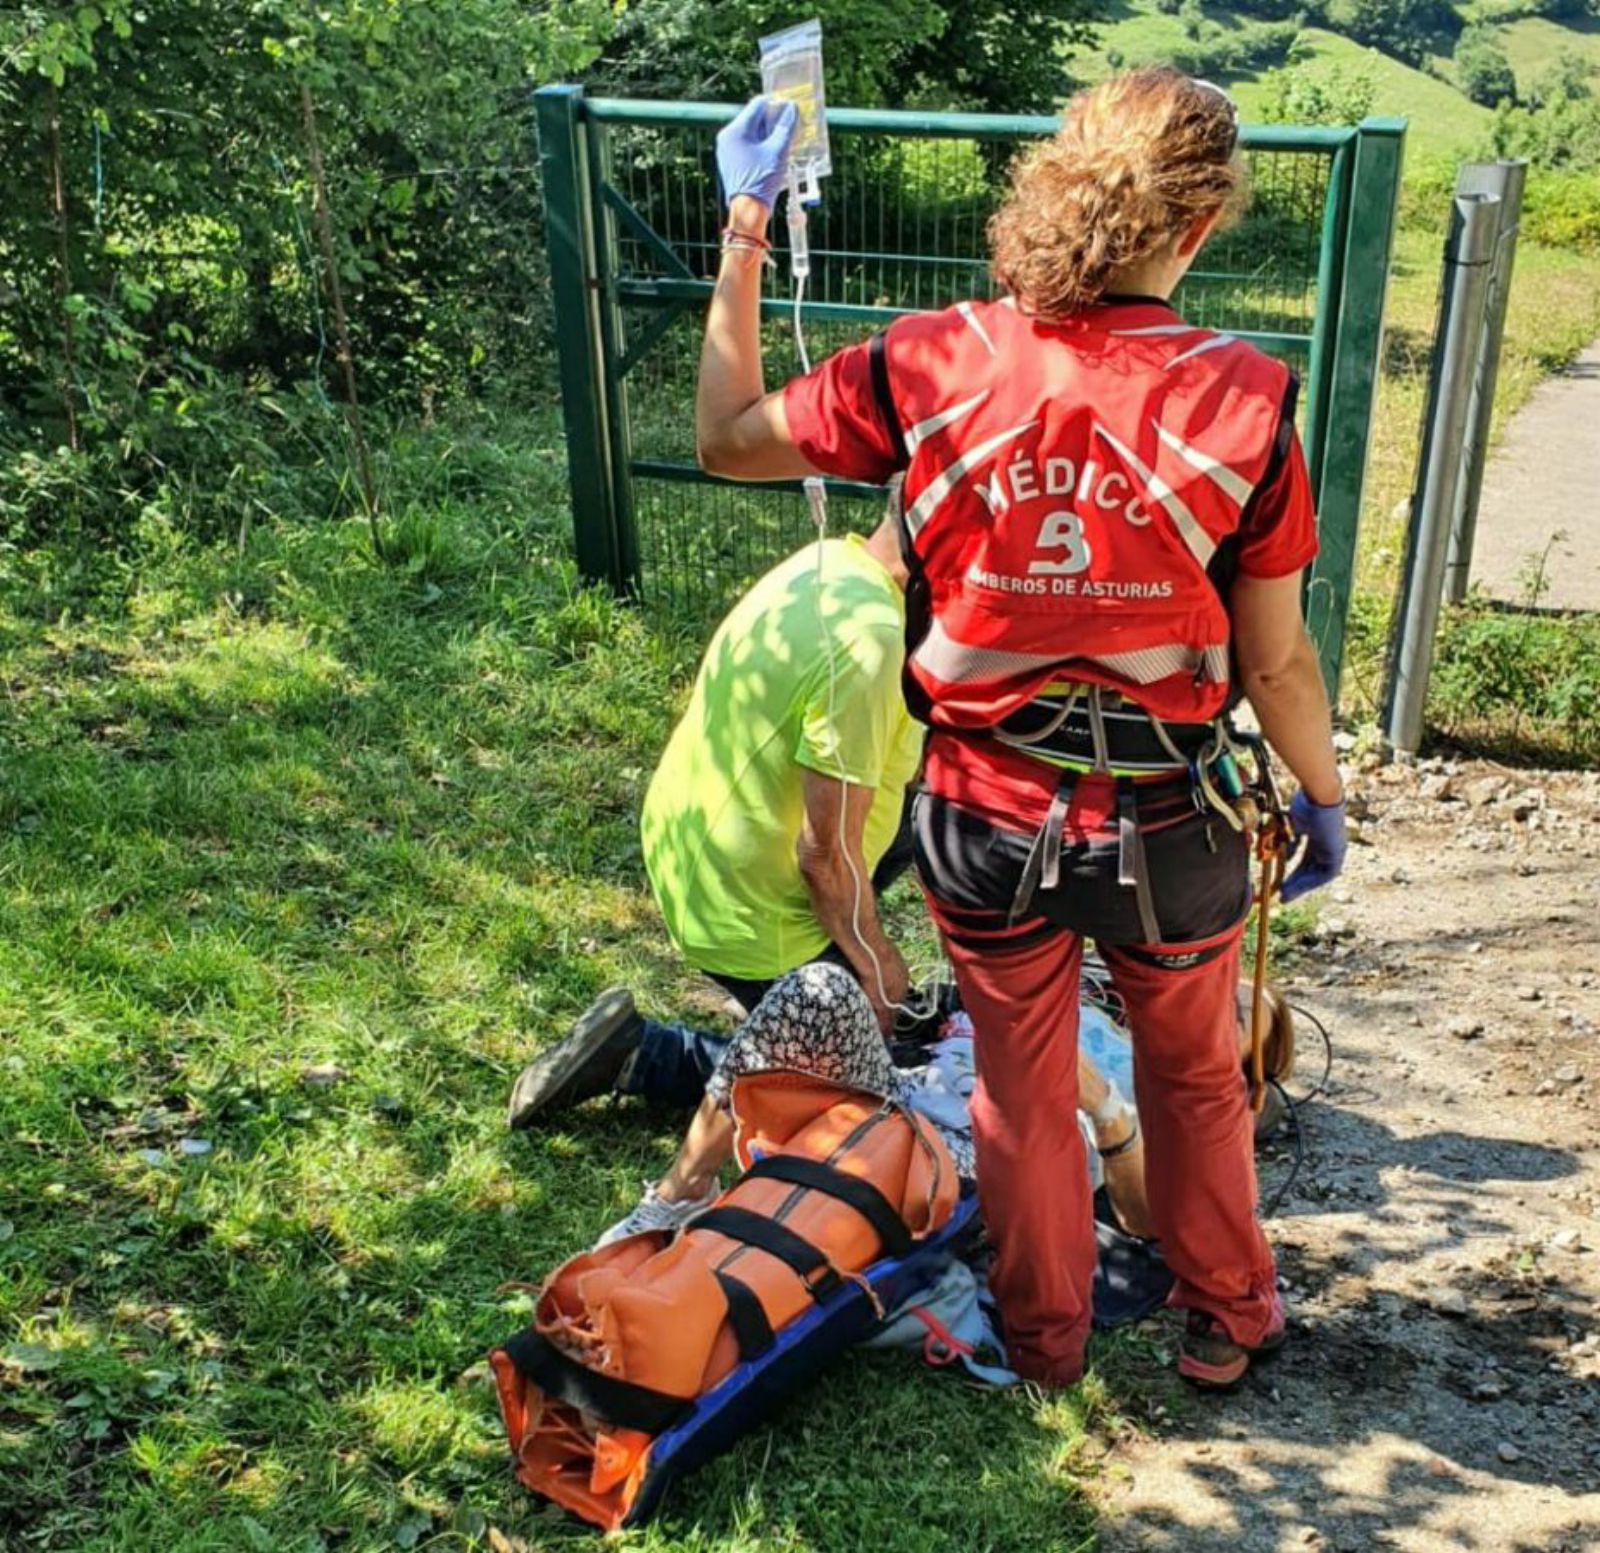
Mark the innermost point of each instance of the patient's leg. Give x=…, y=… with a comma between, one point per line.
x=707, y=1147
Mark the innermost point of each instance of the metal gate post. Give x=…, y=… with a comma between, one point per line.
x=574, y=284
x=1469, y=255
x=1330, y=273
x=1504, y=179
x=1346, y=415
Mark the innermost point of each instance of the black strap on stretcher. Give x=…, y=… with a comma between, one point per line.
x=817, y=1176
x=809, y=1264
x=619, y=1402
x=751, y=1329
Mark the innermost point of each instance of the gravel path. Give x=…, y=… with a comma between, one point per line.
x=1442, y=1391
x=1539, y=495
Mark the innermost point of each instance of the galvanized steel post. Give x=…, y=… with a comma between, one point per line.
x=1468, y=257
x=1505, y=180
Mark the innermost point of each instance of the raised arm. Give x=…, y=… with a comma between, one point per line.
x=741, y=430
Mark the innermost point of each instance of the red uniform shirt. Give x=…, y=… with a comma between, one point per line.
x=1076, y=493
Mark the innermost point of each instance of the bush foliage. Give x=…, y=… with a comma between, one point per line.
x=169, y=339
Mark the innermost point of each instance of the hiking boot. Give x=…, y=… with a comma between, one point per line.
x=655, y=1212
x=586, y=1062
x=1210, y=1359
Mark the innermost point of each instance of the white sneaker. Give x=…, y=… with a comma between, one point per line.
x=655, y=1212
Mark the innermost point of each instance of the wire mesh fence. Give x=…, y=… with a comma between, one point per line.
x=901, y=227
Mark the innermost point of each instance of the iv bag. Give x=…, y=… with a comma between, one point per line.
x=791, y=71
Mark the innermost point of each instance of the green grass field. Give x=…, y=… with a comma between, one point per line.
x=1533, y=44
x=267, y=812
x=1441, y=121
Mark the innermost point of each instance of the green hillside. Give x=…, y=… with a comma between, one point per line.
x=1533, y=44
x=1443, y=122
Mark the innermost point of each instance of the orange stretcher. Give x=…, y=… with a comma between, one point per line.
x=648, y=1356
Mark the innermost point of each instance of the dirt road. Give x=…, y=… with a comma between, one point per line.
x=1442, y=1246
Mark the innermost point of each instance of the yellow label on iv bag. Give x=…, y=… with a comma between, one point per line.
x=791, y=71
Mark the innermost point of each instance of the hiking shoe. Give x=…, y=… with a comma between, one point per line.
x=586, y=1062
x=655, y=1212
x=1210, y=1359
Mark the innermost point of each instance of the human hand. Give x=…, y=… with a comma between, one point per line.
x=887, y=983
x=753, y=151
x=1321, y=827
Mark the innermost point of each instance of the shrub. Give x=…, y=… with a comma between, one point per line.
x=1407, y=29
x=1482, y=70
x=1305, y=93
x=1563, y=134
x=1215, y=52
x=1520, y=683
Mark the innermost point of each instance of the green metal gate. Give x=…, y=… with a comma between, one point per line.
x=633, y=226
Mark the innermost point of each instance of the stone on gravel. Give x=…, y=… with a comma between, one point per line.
x=1465, y=1028
x=1567, y=1240
x=1448, y=1301
x=1529, y=801
x=1507, y=1452
x=1528, y=994
x=1482, y=791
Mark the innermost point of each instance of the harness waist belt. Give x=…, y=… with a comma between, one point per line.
x=1061, y=732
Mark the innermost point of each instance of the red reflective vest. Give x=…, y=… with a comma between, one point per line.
x=1067, y=487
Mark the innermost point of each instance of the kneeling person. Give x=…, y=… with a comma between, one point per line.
x=772, y=820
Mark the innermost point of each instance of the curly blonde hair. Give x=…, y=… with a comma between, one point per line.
x=1137, y=161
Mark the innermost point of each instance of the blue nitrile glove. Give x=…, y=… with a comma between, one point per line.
x=1321, y=827
x=753, y=151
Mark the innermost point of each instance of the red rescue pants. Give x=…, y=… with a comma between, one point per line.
x=1019, y=981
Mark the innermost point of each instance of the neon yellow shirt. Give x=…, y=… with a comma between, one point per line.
x=724, y=808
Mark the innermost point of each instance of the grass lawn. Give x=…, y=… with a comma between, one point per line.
x=267, y=812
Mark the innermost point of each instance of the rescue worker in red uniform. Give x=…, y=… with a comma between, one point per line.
x=1107, y=517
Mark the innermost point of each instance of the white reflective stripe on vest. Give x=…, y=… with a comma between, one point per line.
x=1229, y=481
x=944, y=482
x=956, y=663
x=919, y=433
x=1201, y=545
x=1147, y=665
x=943, y=658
